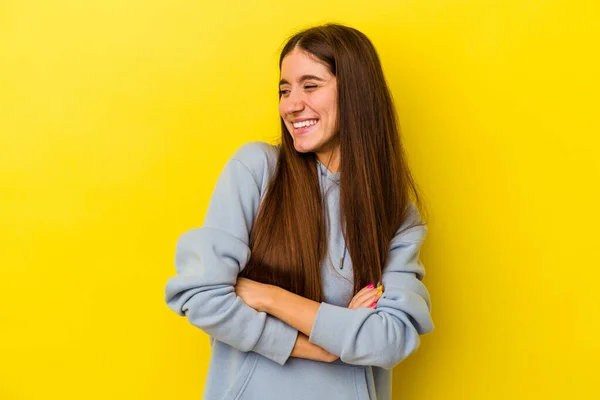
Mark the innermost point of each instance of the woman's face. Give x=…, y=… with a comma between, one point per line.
x=308, y=103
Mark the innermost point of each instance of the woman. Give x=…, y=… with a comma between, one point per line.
x=282, y=274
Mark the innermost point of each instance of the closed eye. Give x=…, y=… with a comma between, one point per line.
x=285, y=92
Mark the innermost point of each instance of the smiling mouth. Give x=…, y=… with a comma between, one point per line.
x=304, y=124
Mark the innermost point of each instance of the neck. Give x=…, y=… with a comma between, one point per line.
x=329, y=154
x=330, y=158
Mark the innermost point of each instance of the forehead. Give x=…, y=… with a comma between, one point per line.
x=298, y=63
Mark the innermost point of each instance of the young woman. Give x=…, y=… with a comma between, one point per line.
x=306, y=272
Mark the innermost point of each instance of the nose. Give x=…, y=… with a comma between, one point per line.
x=292, y=103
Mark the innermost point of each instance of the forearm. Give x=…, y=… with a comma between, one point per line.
x=294, y=310
x=304, y=349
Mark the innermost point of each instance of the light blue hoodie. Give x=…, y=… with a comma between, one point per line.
x=250, y=357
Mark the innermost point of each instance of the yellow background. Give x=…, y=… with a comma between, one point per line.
x=116, y=118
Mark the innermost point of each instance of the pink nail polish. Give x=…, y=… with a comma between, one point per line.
x=371, y=286
x=373, y=304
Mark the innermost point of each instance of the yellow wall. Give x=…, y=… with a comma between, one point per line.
x=117, y=116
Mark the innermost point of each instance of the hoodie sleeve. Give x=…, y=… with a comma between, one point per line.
x=208, y=260
x=386, y=335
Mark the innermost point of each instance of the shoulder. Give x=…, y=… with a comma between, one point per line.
x=259, y=158
x=413, y=228
x=256, y=154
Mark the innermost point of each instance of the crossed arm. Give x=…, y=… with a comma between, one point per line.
x=298, y=312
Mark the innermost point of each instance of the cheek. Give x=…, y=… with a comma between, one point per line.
x=326, y=104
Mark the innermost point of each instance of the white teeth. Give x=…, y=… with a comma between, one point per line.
x=302, y=124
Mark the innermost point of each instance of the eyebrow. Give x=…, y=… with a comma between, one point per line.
x=302, y=79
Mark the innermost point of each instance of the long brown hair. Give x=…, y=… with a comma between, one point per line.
x=288, y=239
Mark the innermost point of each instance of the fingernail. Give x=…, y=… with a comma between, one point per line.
x=379, y=293
x=371, y=286
x=373, y=304
x=380, y=287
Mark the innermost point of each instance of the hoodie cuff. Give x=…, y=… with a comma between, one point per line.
x=276, y=341
x=329, y=326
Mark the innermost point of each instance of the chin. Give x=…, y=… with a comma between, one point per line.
x=302, y=146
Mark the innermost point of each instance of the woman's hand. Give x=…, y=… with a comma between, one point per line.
x=254, y=294
x=367, y=297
